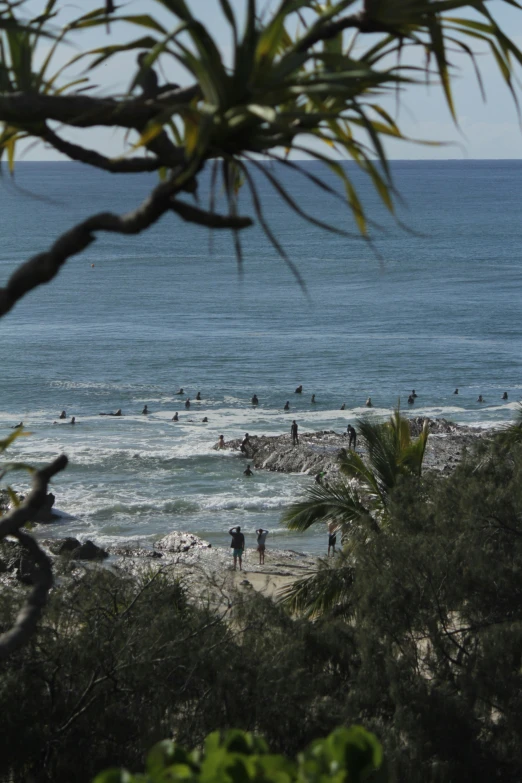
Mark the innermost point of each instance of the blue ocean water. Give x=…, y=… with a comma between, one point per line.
x=433, y=307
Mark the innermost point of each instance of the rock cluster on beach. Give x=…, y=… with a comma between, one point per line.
x=319, y=451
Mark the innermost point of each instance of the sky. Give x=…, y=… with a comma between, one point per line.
x=485, y=130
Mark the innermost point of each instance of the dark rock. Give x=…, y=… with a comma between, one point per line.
x=64, y=546
x=89, y=551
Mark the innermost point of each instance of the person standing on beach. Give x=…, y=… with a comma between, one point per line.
x=293, y=432
x=261, y=544
x=332, y=538
x=237, y=545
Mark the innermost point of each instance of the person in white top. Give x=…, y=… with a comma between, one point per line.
x=261, y=541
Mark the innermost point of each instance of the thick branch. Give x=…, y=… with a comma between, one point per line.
x=84, y=111
x=11, y=524
x=328, y=31
x=196, y=215
x=92, y=158
x=43, y=267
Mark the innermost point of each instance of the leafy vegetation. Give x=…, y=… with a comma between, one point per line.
x=352, y=755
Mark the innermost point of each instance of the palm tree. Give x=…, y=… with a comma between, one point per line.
x=391, y=453
x=356, y=505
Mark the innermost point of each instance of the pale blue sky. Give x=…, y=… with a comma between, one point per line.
x=486, y=130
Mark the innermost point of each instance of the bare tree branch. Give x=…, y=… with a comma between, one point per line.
x=11, y=524
x=194, y=214
x=43, y=267
x=92, y=158
x=84, y=111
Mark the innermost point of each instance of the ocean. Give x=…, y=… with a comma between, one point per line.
x=430, y=307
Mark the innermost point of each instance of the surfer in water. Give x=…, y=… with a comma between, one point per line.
x=313, y=399
x=244, y=443
x=145, y=410
x=198, y=397
x=299, y=390
x=413, y=393
x=287, y=406
x=18, y=426
x=343, y=406
x=205, y=420
x=118, y=413
x=221, y=442
x=62, y=415
x=247, y=471
x=456, y=391
x=369, y=403
x=73, y=420
x=410, y=400
x=505, y=396
x=175, y=417
x=187, y=403
x=255, y=401
x=180, y=391
x=480, y=398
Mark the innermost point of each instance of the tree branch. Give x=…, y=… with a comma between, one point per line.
x=194, y=214
x=43, y=267
x=84, y=111
x=10, y=524
x=92, y=158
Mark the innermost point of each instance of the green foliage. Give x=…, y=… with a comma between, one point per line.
x=347, y=755
x=392, y=454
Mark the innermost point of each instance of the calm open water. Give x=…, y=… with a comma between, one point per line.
x=439, y=309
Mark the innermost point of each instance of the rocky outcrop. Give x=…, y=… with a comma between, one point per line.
x=78, y=551
x=181, y=542
x=319, y=451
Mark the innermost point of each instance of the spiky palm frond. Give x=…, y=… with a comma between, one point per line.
x=338, y=503
x=325, y=590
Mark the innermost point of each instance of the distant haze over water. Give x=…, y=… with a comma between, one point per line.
x=431, y=309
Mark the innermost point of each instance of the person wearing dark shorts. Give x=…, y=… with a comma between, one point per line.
x=332, y=539
x=261, y=544
x=237, y=545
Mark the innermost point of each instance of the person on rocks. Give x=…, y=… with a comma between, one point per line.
x=187, y=403
x=261, y=544
x=145, y=410
x=505, y=396
x=221, y=442
x=313, y=399
x=237, y=545
x=369, y=403
x=293, y=431
x=255, y=400
x=352, y=436
x=248, y=471
x=332, y=538
x=299, y=390
x=175, y=417
x=62, y=415
x=319, y=479
x=245, y=443
x=287, y=406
